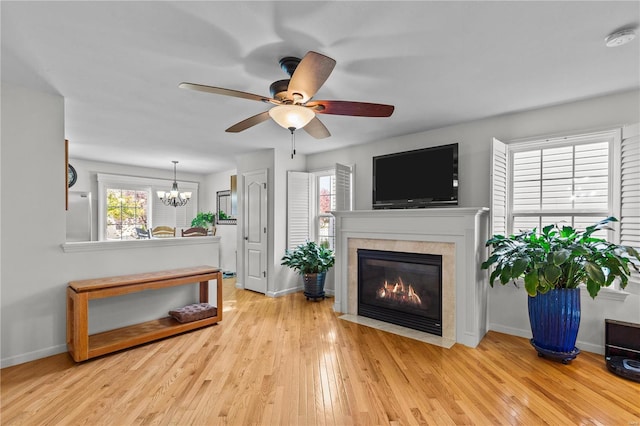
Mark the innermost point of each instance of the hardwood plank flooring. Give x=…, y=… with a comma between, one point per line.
x=289, y=361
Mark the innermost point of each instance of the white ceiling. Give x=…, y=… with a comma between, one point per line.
x=118, y=65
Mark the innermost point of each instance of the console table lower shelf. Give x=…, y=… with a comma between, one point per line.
x=83, y=346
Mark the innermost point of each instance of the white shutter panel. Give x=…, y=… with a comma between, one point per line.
x=162, y=215
x=498, y=188
x=298, y=208
x=630, y=187
x=343, y=188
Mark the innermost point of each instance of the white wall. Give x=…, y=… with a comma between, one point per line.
x=33, y=273
x=507, y=306
x=34, y=269
x=228, y=233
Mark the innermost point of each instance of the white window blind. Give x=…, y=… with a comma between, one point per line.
x=562, y=181
x=498, y=187
x=344, y=199
x=630, y=191
x=298, y=208
x=630, y=188
x=303, y=199
x=567, y=180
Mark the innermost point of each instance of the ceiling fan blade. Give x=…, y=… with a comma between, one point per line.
x=249, y=122
x=311, y=73
x=316, y=129
x=360, y=109
x=226, y=92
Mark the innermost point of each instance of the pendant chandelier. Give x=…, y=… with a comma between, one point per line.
x=174, y=197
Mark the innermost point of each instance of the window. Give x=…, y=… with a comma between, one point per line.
x=127, y=202
x=310, y=199
x=567, y=184
x=568, y=180
x=126, y=210
x=325, y=203
x=576, y=180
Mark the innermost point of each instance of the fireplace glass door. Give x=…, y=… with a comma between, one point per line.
x=401, y=288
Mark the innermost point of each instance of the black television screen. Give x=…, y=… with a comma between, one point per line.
x=425, y=177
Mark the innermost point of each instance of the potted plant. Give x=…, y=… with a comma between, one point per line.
x=554, y=264
x=312, y=261
x=204, y=220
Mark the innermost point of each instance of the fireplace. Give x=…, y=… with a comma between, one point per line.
x=401, y=288
x=457, y=234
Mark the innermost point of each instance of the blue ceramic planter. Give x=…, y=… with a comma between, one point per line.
x=555, y=320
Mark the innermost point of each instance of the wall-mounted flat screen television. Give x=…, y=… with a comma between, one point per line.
x=425, y=177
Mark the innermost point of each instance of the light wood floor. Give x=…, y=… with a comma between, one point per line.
x=292, y=361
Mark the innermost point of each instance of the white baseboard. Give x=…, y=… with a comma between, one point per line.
x=328, y=293
x=283, y=292
x=32, y=356
x=510, y=330
x=583, y=346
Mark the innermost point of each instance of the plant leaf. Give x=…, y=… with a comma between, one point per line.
x=593, y=288
x=594, y=272
x=561, y=256
x=552, y=273
x=519, y=266
x=531, y=282
x=505, y=274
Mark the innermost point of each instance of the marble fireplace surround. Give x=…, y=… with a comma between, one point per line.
x=457, y=234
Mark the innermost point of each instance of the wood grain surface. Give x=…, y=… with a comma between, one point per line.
x=289, y=361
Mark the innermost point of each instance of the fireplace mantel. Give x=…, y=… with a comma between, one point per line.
x=465, y=228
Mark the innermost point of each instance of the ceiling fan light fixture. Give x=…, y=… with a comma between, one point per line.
x=289, y=116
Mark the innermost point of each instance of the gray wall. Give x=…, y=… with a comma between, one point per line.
x=507, y=306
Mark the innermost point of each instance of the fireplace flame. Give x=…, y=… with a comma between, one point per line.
x=399, y=292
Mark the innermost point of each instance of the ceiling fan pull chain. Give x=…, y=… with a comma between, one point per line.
x=293, y=141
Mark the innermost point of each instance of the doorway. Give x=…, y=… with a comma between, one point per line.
x=255, y=231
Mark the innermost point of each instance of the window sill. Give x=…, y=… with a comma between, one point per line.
x=85, y=246
x=606, y=293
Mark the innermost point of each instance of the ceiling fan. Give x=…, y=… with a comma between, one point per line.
x=293, y=108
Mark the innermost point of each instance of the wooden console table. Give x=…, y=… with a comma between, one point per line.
x=82, y=346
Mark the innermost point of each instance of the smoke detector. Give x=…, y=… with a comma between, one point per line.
x=619, y=38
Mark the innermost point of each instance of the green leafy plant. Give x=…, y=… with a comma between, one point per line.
x=203, y=220
x=222, y=215
x=560, y=258
x=309, y=258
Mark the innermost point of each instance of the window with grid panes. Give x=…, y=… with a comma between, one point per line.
x=127, y=202
x=576, y=180
x=564, y=182
x=126, y=210
x=325, y=222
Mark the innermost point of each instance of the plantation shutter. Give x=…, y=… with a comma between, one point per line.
x=498, y=177
x=162, y=215
x=298, y=208
x=630, y=187
x=343, y=188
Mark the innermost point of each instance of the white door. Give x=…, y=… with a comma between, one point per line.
x=255, y=231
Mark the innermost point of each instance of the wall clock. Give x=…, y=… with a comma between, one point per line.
x=72, y=176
